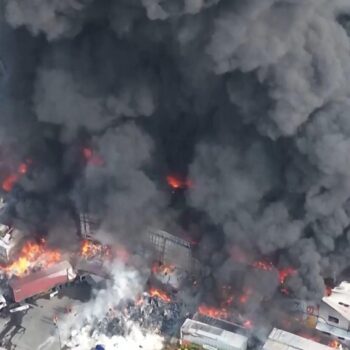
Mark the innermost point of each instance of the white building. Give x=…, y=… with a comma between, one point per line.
x=334, y=313
x=10, y=242
x=210, y=337
x=282, y=340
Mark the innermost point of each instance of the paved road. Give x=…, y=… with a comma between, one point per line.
x=34, y=328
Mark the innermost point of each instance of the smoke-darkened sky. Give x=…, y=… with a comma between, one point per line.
x=249, y=99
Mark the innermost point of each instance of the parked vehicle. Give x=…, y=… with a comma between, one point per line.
x=41, y=282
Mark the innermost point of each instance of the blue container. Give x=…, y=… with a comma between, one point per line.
x=99, y=347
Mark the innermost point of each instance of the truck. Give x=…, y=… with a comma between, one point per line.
x=37, y=283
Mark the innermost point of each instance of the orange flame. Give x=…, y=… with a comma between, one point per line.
x=213, y=312
x=90, y=249
x=285, y=273
x=334, y=344
x=176, y=183
x=157, y=293
x=32, y=255
x=12, y=179
x=163, y=269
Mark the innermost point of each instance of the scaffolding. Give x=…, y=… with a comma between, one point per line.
x=172, y=250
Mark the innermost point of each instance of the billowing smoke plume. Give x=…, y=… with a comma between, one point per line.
x=81, y=331
x=248, y=99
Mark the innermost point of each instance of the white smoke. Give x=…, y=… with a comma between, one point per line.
x=79, y=331
x=86, y=338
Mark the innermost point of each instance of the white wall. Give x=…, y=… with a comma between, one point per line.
x=326, y=310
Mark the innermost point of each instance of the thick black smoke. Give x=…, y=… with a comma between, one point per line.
x=249, y=99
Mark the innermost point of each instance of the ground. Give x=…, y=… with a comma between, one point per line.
x=34, y=328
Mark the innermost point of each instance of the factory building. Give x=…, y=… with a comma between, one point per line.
x=334, y=313
x=282, y=340
x=195, y=333
x=10, y=242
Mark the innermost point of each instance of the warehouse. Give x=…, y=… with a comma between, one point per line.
x=203, y=335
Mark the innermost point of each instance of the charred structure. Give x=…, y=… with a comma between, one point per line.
x=224, y=121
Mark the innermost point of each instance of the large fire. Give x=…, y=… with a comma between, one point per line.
x=90, y=249
x=213, y=312
x=13, y=178
x=32, y=255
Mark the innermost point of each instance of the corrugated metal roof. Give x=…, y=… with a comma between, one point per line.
x=282, y=340
x=199, y=329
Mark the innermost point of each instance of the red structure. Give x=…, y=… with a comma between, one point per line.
x=41, y=281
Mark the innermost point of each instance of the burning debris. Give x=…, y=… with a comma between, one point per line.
x=92, y=249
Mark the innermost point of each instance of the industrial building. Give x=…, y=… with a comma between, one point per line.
x=210, y=337
x=10, y=239
x=282, y=340
x=334, y=313
x=172, y=250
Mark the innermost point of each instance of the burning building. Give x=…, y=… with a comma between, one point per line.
x=209, y=337
x=262, y=150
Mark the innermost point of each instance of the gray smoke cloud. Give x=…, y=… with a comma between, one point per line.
x=249, y=99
